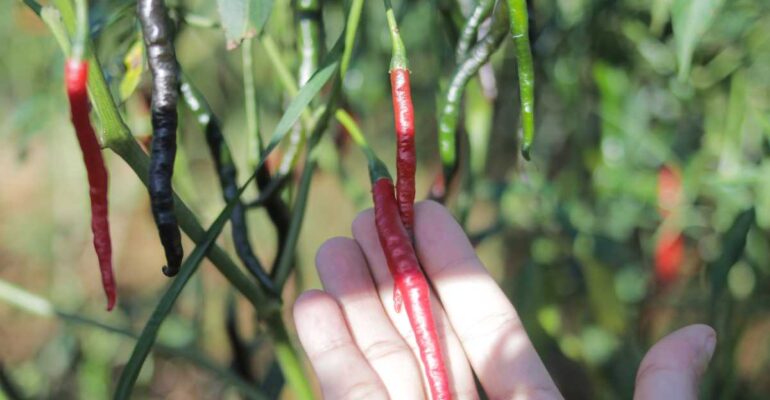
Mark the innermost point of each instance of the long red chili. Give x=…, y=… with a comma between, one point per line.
x=411, y=286
x=406, y=159
x=76, y=76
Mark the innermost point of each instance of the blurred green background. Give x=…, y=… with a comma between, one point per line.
x=653, y=122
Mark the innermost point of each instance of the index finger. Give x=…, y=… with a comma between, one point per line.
x=488, y=326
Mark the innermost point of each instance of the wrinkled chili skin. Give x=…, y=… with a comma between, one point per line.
x=406, y=159
x=161, y=58
x=76, y=76
x=411, y=286
x=227, y=174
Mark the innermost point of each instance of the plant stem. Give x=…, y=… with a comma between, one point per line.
x=288, y=359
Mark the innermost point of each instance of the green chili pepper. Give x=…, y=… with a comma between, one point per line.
x=449, y=112
x=520, y=32
x=471, y=28
x=310, y=45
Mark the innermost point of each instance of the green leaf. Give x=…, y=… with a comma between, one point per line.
x=690, y=19
x=242, y=19
x=134, y=63
x=150, y=331
x=327, y=69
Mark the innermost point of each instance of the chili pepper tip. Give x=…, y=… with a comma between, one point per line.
x=526, y=151
x=169, y=272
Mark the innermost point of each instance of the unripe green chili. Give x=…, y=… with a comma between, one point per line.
x=403, y=113
x=471, y=28
x=450, y=110
x=310, y=44
x=161, y=58
x=520, y=31
x=310, y=37
x=227, y=173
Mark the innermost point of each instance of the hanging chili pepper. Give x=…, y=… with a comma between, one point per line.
x=403, y=113
x=669, y=256
x=471, y=28
x=520, y=30
x=310, y=43
x=76, y=80
x=449, y=113
x=76, y=76
x=163, y=65
x=227, y=173
x=410, y=285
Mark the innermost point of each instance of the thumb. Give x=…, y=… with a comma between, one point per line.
x=673, y=366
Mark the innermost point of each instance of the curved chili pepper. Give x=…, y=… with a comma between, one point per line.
x=410, y=285
x=449, y=113
x=163, y=65
x=468, y=34
x=520, y=31
x=76, y=76
x=403, y=113
x=227, y=173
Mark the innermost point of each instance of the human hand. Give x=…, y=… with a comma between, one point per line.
x=360, y=348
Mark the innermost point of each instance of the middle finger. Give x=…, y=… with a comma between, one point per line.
x=461, y=376
x=344, y=275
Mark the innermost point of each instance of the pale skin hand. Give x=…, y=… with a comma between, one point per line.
x=361, y=349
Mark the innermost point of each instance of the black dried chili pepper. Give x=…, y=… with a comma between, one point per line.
x=161, y=58
x=227, y=173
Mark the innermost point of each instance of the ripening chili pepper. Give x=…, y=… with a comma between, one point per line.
x=450, y=110
x=468, y=34
x=76, y=76
x=520, y=30
x=669, y=255
x=227, y=173
x=410, y=285
x=403, y=113
x=161, y=58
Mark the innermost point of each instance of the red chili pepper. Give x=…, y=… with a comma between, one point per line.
x=76, y=76
x=411, y=286
x=669, y=254
x=406, y=160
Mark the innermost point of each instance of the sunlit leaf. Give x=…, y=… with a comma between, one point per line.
x=134, y=63
x=691, y=19
x=243, y=19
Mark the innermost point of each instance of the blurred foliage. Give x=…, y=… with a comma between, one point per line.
x=624, y=89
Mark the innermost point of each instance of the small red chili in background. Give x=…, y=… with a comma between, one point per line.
x=669, y=249
x=669, y=255
x=76, y=76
